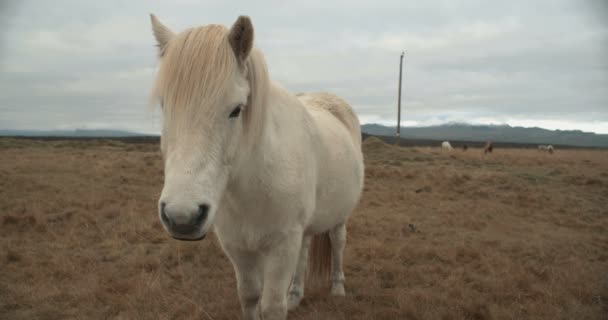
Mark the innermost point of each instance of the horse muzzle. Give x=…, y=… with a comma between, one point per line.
x=187, y=227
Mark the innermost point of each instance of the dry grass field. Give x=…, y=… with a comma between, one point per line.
x=516, y=234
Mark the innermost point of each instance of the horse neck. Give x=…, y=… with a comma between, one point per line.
x=281, y=113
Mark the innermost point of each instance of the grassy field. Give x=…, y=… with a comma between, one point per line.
x=516, y=234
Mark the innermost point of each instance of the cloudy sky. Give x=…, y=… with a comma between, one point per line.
x=90, y=64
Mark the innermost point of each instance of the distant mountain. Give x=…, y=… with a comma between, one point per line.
x=71, y=133
x=496, y=133
x=450, y=132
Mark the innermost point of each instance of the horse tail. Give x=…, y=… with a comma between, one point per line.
x=319, y=262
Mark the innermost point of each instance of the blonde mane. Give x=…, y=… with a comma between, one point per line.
x=197, y=65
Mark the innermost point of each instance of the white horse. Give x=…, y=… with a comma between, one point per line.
x=549, y=148
x=268, y=170
x=446, y=146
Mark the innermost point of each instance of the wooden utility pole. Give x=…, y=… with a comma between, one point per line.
x=399, y=101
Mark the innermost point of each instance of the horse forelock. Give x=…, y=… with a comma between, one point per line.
x=196, y=69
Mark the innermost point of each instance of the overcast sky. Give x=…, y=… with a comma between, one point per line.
x=90, y=64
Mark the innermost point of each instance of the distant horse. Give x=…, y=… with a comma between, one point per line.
x=446, y=146
x=549, y=148
x=465, y=147
x=267, y=169
x=488, y=147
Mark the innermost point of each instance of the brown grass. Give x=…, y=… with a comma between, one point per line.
x=516, y=234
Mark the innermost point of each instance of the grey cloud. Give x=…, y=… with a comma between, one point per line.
x=83, y=64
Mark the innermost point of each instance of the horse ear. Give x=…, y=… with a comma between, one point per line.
x=162, y=34
x=241, y=37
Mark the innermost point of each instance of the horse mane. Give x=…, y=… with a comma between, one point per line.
x=196, y=67
x=259, y=84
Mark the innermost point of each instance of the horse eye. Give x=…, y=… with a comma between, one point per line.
x=235, y=113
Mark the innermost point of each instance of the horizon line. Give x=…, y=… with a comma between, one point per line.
x=370, y=122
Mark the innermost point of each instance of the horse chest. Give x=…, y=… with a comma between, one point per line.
x=250, y=221
x=253, y=230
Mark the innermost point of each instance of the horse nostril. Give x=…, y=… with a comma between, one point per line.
x=203, y=209
x=163, y=215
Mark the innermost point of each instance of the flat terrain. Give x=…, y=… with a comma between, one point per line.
x=516, y=234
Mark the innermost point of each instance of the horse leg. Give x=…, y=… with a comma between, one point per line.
x=296, y=291
x=249, y=283
x=279, y=266
x=337, y=236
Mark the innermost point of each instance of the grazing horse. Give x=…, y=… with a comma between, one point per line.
x=488, y=147
x=548, y=148
x=446, y=146
x=269, y=171
x=465, y=147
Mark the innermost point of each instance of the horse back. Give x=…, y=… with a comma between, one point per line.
x=337, y=107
